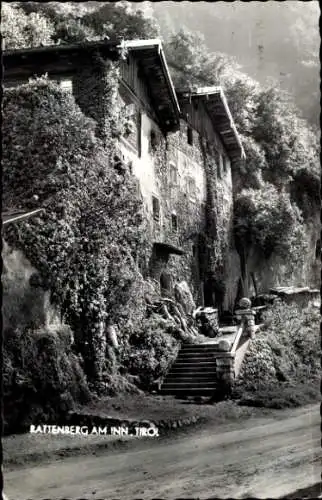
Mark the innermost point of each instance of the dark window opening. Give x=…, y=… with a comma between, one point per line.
x=166, y=283
x=153, y=141
x=189, y=136
x=156, y=208
x=225, y=164
x=318, y=249
x=174, y=222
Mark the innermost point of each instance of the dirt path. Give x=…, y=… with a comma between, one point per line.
x=263, y=458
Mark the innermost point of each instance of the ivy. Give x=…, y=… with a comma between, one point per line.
x=86, y=242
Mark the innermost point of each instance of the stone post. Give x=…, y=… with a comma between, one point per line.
x=246, y=316
x=225, y=374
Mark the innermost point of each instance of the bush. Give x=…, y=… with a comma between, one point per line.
x=149, y=352
x=21, y=31
x=283, y=359
x=86, y=242
x=42, y=378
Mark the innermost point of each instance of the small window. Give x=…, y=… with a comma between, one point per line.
x=173, y=174
x=191, y=186
x=156, y=208
x=153, y=141
x=189, y=136
x=225, y=164
x=318, y=249
x=66, y=84
x=174, y=222
x=221, y=163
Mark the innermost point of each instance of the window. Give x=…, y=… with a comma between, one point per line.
x=174, y=222
x=191, y=187
x=225, y=164
x=221, y=164
x=189, y=136
x=66, y=84
x=318, y=249
x=153, y=141
x=173, y=174
x=156, y=208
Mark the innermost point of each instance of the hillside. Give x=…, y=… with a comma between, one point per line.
x=275, y=40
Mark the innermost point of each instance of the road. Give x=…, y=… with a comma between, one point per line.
x=262, y=458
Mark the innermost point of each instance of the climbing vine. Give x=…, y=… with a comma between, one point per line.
x=87, y=240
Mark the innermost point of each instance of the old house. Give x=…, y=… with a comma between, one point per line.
x=181, y=144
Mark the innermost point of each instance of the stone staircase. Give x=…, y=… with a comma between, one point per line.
x=193, y=373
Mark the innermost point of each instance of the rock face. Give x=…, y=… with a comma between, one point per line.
x=184, y=296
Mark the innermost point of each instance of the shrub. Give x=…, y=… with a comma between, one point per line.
x=42, y=377
x=283, y=359
x=86, y=242
x=20, y=30
x=149, y=352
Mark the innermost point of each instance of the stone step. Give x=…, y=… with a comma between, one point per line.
x=191, y=373
x=189, y=379
x=194, y=367
x=181, y=384
x=199, y=347
x=192, y=354
x=195, y=360
x=189, y=391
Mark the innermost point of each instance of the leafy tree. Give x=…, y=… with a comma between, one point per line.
x=191, y=63
x=266, y=219
x=120, y=19
x=20, y=30
x=86, y=242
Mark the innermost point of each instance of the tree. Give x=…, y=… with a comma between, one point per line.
x=86, y=242
x=121, y=20
x=191, y=62
x=20, y=30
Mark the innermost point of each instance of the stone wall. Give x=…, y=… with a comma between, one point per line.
x=172, y=178
x=26, y=303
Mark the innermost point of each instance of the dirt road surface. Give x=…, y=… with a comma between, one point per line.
x=262, y=458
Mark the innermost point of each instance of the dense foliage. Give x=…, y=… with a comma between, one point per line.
x=268, y=221
x=20, y=30
x=149, y=352
x=42, y=377
x=286, y=354
x=86, y=241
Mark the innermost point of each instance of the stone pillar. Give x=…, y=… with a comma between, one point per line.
x=225, y=374
x=246, y=316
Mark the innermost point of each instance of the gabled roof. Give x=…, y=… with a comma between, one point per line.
x=14, y=215
x=155, y=69
x=66, y=58
x=217, y=107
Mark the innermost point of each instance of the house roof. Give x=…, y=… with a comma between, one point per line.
x=14, y=215
x=217, y=107
x=156, y=72
x=61, y=59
